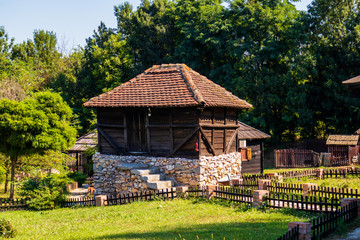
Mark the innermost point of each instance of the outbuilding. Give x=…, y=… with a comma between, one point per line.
x=170, y=119
x=343, y=147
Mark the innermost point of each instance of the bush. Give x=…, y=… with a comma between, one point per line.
x=79, y=177
x=45, y=193
x=6, y=229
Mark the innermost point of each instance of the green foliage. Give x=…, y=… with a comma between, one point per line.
x=45, y=192
x=35, y=125
x=6, y=229
x=79, y=177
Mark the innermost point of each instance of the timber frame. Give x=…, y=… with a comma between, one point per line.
x=170, y=132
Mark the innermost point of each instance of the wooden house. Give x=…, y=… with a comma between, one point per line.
x=251, y=146
x=343, y=146
x=353, y=85
x=169, y=110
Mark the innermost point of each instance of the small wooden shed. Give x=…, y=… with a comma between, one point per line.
x=77, y=151
x=169, y=110
x=251, y=145
x=343, y=146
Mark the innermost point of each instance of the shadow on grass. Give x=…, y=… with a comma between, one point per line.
x=255, y=230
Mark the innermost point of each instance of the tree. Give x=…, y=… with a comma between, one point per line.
x=34, y=125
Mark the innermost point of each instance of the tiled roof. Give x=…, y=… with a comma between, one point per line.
x=347, y=140
x=249, y=133
x=168, y=85
x=352, y=81
x=84, y=142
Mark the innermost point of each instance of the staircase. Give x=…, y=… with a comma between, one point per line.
x=153, y=178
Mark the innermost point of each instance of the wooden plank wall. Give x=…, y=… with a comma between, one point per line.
x=218, y=136
x=107, y=117
x=252, y=166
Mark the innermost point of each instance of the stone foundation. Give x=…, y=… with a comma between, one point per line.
x=112, y=174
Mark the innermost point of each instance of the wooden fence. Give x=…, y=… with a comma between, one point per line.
x=234, y=194
x=13, y=204
x=292, y=234
x=285, y=188
x=141, y=196
x=324, y=225
x=80, y=201
x=295, y=158
x=304, y=203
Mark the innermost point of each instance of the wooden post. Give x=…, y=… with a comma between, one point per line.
x=262, y=157
x=126, y=142
x=171, y=134
x=148, y=137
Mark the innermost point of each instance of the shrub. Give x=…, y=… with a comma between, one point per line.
x=79, y=177
x=45, y=193
x=6, y=229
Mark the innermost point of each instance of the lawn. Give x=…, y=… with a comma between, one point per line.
x=176, y=219
x=348, y=182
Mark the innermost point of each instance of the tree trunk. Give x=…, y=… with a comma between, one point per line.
x=12, y=186
x=6, y=181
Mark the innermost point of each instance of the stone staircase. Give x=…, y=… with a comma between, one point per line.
x=153, y=178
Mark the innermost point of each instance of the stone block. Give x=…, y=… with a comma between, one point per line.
x=304, y=229
x=307, y=188
x=264, y=183
x=100, y=200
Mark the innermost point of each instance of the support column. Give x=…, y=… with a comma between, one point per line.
x=259, y=197
x=100, y=200
x=181, y=191
x=210, y=191
x=304, y=229
x=320, y=173
x=307, y=187
x=264, y=183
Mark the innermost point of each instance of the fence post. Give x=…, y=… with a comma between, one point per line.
x=181, y=191
x=237, y=182
x=100, y=200
x=258, y=196
x=307, y=187
x=346, y=201
x=304, y=229
x=320, y=173
x=264, y=183
x=210, y=191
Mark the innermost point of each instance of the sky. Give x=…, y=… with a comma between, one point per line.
x=72, y=20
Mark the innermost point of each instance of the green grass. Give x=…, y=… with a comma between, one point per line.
x=176, y=219
x=348, y=182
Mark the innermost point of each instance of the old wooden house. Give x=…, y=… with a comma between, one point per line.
x=169, y=120
x=251, y=146
x=169, y=110
x=343, y=147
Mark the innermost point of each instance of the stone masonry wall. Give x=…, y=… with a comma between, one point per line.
x=112, y=174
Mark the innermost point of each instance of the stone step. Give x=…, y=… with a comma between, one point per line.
x=151, y=177
x=158, y=185
x=142, y=172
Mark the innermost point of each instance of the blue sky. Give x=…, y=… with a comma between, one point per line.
x=72, y=20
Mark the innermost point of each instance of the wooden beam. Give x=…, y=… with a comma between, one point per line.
x=225, y=122
x=126, y=141
x=171, y=133
x=111, y=125
x=208, y=141
x=184, y=141
x=110, y=140
x=218, y=125
x=171, y=125
x=228, y=145
x=148, y=137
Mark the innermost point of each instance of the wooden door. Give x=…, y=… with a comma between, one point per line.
x=136, y=131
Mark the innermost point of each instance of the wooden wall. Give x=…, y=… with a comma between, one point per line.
x=163, y=131
x=219, y=126
x=253, y=166
x=176, y=132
